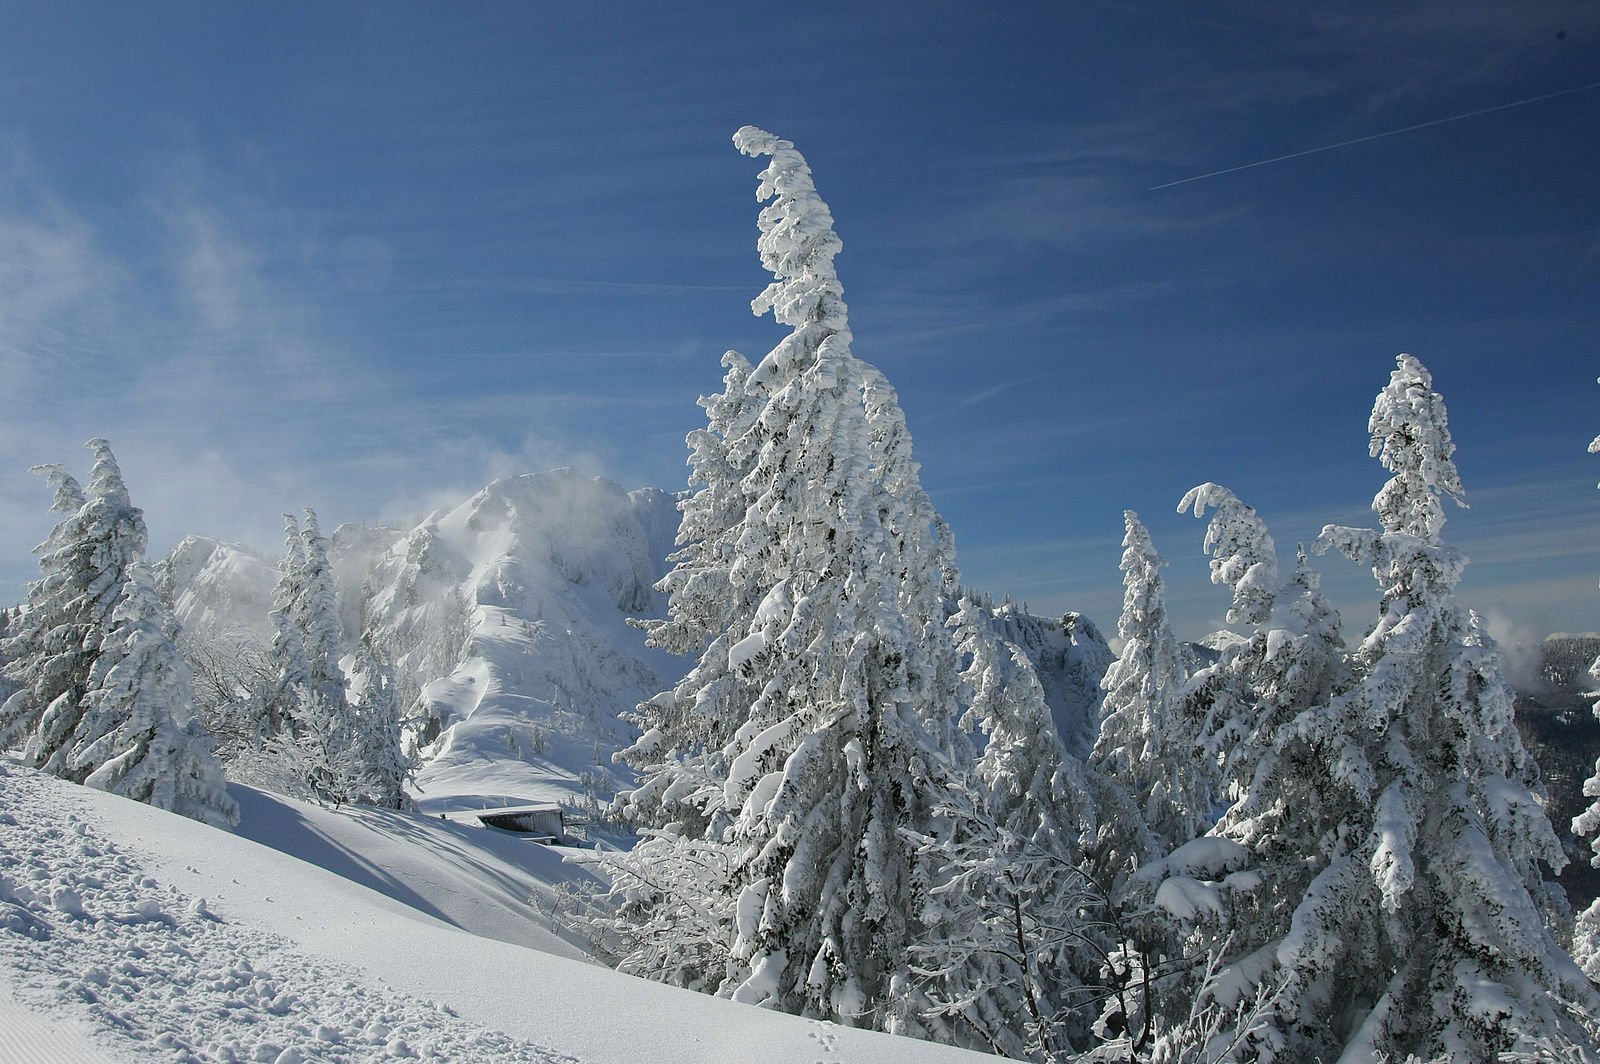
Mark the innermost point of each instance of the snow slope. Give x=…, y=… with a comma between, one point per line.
x=130, y=934
x=487, y=882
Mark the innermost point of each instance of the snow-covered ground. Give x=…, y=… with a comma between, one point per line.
x=130, y=934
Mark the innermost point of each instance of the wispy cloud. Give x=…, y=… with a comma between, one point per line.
x=987, y=394
x=227, y=390
x=57, y=289
x=583, y=286
x=1367, y=138
x=913, y=319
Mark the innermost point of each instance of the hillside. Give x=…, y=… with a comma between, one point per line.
x=129, y=934
x=1559, y=728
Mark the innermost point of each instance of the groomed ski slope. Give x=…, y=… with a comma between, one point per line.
x=130, y=934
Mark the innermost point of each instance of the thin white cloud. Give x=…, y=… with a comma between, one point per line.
x=239, y=398
x=1368, y=137
x=56, y=286
x=579, y=286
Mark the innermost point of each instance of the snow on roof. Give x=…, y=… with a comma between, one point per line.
x=517, y=810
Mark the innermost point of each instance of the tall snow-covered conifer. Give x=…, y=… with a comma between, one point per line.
x=830, y=645
x=291, y=672
x=1149, y=741
x=672, y=895
x=1398, y=903
x=683, y=731
x=139, y=689
x=85, y=562
x=309, y=705
x=321, y=630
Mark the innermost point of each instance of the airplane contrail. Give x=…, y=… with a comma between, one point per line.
x=1377, y=136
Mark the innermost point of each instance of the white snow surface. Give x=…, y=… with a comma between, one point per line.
x=129, y=934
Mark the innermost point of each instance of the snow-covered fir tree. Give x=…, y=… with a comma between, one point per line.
x=670, y=901
x=1288, y=660
x=381, y=762
x=1243, y=557
x=136, y=736
x=1291, y=652
x=1387, y=896
x=101, y=687
x=41, y=667
x=683, y=731
x=291, y=671
x=1021, y=921
x=836, y=625
x=1149, y=741
x=309, y=707
x=320, y=629
x=671, y=898
x=85, y=562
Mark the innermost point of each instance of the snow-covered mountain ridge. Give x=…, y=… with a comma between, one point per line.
x=549, y=567
x=506, y=618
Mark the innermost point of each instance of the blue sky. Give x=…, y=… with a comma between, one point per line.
x=366, y=257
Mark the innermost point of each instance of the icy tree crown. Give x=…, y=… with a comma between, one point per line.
x=1243, y=555
x=1411, y=437
x=105, y=478
x=69, y=497
x=797, y=239
x=1144, y=602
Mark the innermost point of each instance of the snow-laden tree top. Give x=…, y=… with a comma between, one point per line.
x=69, y=497
x=1243, y=555
x=806, y=745
x=797, y=245
x=1411, y=437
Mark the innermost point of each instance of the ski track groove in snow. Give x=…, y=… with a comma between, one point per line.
x=28, y=1037
x=85, y=934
